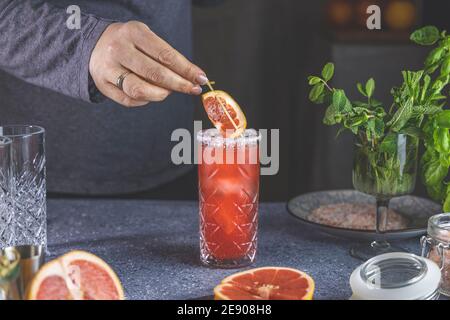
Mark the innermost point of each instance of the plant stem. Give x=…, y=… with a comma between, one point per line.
x=326, y=85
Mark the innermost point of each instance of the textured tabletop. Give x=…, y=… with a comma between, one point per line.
x=154, y=246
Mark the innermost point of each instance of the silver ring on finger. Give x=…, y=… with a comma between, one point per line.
x=121, y=78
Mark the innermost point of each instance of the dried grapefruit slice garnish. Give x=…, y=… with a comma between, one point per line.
x=268, y=283
x=77, y=275
x=224, y=112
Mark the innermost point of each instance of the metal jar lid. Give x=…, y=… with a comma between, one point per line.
x=396, y=276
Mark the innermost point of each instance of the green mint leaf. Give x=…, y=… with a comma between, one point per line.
x=316, y=92
x=371, y=129
x=426, y=36
x=442, y=140
x=443, y=119
x=428, y=130
x=340, y=101
x=375, y=103
x=446, y=41
x=361, y=89
x=437, y=86
x=426, y=84
x=354, y=130
x=429, y=108
x=436, y=192
x=312, y=80
x=428, y=155
x=438, y=98
x=389, y=143
x=369, y=134
x=434, y=56
x=432, y=68
x=434, y=172
x=379, y=128
x=379, y=111
x=412, y=132
x=328, y=71
x=360, y=106
x=370, y=87
x=356, y=121
x=402, y=115
x=446, y=205
x=330, y=116
x=445, y=68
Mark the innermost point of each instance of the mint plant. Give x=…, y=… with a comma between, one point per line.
x=416, y=112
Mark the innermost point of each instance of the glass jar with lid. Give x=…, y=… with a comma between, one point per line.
x=436, y=246
x=396, y=276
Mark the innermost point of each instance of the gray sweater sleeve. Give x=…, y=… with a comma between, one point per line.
x=37, y=46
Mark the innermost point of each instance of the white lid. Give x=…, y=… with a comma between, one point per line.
x=395, y=276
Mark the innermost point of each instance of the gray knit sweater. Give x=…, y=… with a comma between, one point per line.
x=99, y=148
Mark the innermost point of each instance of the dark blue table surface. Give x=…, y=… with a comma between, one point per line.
x=154, y=247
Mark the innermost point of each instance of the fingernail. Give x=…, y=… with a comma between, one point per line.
x=201, y=79
x=196, y=90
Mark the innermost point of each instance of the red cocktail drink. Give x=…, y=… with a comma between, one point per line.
x=228, y=193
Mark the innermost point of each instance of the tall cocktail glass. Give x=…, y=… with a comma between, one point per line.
x=228, y=197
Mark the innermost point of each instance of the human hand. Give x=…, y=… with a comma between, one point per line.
x=155, y=68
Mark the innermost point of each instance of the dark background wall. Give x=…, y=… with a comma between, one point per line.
x=261, y=51
x=257, y=50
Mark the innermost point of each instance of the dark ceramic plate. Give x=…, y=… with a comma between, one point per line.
x=415, y=209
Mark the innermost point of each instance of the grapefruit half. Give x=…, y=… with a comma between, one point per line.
x=268, y=283
x=77, y=275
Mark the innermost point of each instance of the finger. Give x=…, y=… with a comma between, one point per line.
x=135, y=87
x=140, y=90
x=157, y=74
x=117, y=95
x=158, y=49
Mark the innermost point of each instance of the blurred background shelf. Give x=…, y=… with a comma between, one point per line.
x=373, y=38
x=352, y=15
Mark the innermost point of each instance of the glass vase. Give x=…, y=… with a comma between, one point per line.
x=384, y=171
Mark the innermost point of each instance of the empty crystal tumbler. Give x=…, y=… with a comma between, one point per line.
x=6, y=210
x=26, y=222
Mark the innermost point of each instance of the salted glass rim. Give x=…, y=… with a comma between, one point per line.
x=26, y=130
x=213, y=137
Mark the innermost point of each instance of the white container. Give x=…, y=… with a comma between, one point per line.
x=396, y=276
